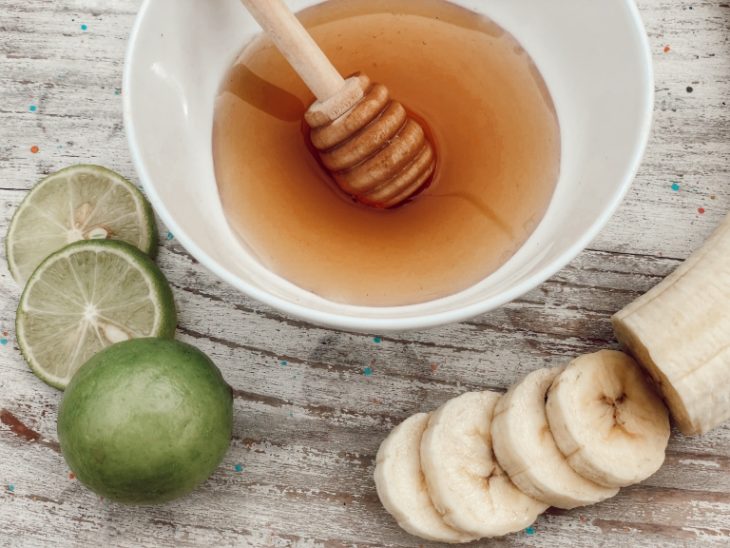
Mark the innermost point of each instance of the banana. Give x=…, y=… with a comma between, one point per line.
x=466, y=484
x=608, y=421
x=680, y=332
x=401, y=486
x=526, y=450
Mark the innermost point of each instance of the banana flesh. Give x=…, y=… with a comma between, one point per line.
x=680, y=332
x=402, y=488
x=466, y=484
x=485, y=466
x=526, y=450
x=606, y=418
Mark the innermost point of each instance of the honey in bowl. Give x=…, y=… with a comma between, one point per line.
x=490, y=118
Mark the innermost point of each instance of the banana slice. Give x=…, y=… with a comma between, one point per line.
x=680, y=332
x=467, y=487
x=526, y=450
x=607, y=420
x=402, y=488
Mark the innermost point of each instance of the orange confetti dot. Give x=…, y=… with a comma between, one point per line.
x=34, y=149
x=667, y=49
x=71, y=476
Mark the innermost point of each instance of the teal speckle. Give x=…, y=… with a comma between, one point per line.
x=117, y=91
x=84, y=27
x=32, y=108
x=3, y=341
x=368, y=371
x=11, y=487
x=675, y=187
x=530, y=531
x=377, y=340
x=283, y=363
x=238, y=468
x=170, y=236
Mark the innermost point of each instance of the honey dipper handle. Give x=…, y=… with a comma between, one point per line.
x=299, y=48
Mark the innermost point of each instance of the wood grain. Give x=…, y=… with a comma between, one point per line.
x=308, y=420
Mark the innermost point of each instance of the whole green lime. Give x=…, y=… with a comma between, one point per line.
x=145, y=421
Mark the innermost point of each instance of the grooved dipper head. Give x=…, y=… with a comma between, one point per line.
x=374, y=150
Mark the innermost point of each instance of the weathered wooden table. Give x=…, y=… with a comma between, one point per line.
x=311, y=404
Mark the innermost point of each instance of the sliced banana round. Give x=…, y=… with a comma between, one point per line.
x=402, y=488
x=467, y=486
x=526, y=450
x=608, y=421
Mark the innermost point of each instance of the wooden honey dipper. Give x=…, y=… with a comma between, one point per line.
x=374, y=150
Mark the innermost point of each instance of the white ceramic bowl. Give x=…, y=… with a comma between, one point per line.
x=594, y=56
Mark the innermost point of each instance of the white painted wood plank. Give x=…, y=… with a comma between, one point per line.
x=306, y=432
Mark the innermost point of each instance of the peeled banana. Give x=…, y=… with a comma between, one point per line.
x=606, y=418
x=467, y=486
x=526, y=450
x=680, y=332
x=402, y=488
x=486, y=465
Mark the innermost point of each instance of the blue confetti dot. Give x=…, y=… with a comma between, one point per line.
x=32, y=108
x=11, y=487
x=675, y=187
x=283, y=363
x=170, y=236
x=368, y=371
x=530, y=530
x=377, y=340
x=3, y=341
x=84, y=27
x=238, y=468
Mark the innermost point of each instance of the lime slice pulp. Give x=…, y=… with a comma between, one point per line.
x=82, y=202
x=88, y=296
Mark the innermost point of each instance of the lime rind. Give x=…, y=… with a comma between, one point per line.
x=57, y=330
x=46, y=219
x=146, y=421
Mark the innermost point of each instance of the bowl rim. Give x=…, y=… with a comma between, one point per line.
x=381, y=325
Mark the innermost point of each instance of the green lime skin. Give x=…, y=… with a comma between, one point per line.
x=145, y=421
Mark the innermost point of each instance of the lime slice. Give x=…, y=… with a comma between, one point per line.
x=86, y=297
x=82, y=202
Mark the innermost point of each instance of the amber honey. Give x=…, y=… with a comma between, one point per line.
x=489, y=115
